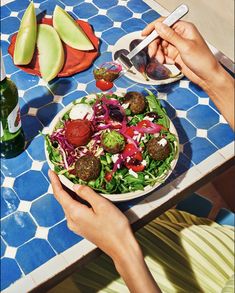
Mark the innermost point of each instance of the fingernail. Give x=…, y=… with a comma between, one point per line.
x=159, y=26
x=76, y=187
x=150, y=52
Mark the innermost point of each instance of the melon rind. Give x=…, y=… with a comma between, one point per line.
x=26, y=37
x=51, y=52
x=69, y=31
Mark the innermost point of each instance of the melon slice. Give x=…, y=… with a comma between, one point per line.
x=69, y=31
x=26, y=37
x=51, y=52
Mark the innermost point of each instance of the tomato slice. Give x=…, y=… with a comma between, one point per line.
x=144, y=124
x=108, y=176
x=130, y=131
x=135, y=168
x=129, y=150
x=103, y=84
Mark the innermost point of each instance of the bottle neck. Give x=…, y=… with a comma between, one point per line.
x=2, y=72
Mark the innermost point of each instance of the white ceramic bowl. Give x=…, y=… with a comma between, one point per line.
x=123, y=43
x=112, y=197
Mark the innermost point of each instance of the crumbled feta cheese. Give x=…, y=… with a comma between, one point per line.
x=156, y=134
x=118, y=166
x=144, y=163
x=125, y=106
x=115, y=158
x=135, y=137
x=138, y=137
x=148, y=118
x=162, y=142
x=128, y=159
x=133, y=173
x=80, y=111
x=136, y=132
x=146, y=177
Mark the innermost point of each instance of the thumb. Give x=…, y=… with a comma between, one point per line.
x=168, y=34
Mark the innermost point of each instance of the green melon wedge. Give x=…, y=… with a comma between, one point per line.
x=51, y=52
x=26, y=37
x=69, y=31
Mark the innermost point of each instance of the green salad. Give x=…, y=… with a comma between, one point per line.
x=113, y=143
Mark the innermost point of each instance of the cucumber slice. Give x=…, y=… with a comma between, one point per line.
x=69, y=31
x=26, y=37
x=51, y=52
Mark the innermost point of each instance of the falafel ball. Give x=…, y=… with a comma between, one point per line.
x=158, y=148
x=112, y=141
x=137, y=102
x=88, y=167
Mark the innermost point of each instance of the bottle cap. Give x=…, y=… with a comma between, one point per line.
x=2, y=72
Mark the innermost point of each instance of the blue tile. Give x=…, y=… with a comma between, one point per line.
x=63, y=86
x=45, y=169
x=84, y=76
x=105, y=57
x=119, y=13
x=47, y=211
x=196, y=205
x=18, y=5
x=9, y=65
x=199, y=149
x=213, y=106
x=85, y=10
x=28, y=191
x=36, y=148
x=221, y=135
x=4, y=47
x=103, y=47
x=169, y=109
x=198, y=90
x=24, y=80
x=183, y=165
x=3, y=247
x=20, y=224
x=61, y=238
x=105, y=4
x=15, y=166
x=185, y=129
x=24, y=108
x=100, y=23
x=150, y=16
x=10, y=25
x=123, y=82
x=47, y=113
x=5, y=11
x=9, y=201
x=31, y=126
x=134, y=24
x=71, y=2
x=38, y=96
x=33, y=254
x=182, y=99
x=137, y=6
x=111, y=36
x=50, y=5
x=203, y=116
x=2, y=177
x=73, y=96
x=225, y=217
x=10, y=272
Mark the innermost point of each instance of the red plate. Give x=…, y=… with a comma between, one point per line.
x=75, y=60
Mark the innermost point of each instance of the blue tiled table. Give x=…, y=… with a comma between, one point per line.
x=36, y=244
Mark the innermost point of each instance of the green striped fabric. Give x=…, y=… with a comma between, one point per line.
x=183, y=252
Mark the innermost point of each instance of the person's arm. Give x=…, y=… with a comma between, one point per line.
x=184, y=46
x=107, y=227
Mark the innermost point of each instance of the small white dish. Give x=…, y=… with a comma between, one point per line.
x=123, y=43
x=113, y=197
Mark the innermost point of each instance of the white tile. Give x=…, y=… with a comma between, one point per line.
x=142, y=209
x=48, y=270
x=110, y=48
x=42, y=82
x=117, y=24
x=222, y=119
x=50, y=190
x=36, y=165
x=184, y=84
x=8, y=182
x=36, y=5
x=26, y=282
x=10, y=252
x=203, y=101
x=98, y=34
x=201, y=132
x=21, y=93
x=162, y=96
x=68, y=8
x=24, y=206
x=42, y=232
x=186, y=179
x=137, y=15
x=45, y=130
x=32, y=111
x=102, y=12
x=77, y=251
x=4, y=37
x=228, y=151
x=182, y=114
x=14, y=13
x=212, y=162
x=82, y=86
x=57, y=99
x=122, y=3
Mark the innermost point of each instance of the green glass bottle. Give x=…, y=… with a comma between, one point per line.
x=12, y=140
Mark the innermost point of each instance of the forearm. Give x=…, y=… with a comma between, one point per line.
x=220, y=88
x=132, y=268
